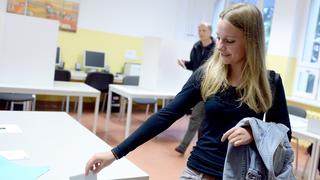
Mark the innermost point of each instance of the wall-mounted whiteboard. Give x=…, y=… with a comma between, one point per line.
x=159, y=68
x=27, y=49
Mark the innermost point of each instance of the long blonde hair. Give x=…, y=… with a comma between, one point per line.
x=254, y=89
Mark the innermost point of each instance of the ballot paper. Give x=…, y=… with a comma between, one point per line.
x=14, y=154
x=9, y=128
x=14, y=171
x=83, y=177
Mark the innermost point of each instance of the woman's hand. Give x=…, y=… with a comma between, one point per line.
x=99, y=161
x=238, y=136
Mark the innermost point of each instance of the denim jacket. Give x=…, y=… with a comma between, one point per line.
x=268, y=157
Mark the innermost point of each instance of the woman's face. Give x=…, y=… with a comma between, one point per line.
x=230, y=43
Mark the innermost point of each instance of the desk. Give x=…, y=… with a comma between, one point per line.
x=60, y=88
x=56, y=140
x=81, y=76
x=131, y=92
x=78, y=75
x=299, y=130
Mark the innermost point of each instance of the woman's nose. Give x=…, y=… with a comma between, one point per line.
x=220, y=45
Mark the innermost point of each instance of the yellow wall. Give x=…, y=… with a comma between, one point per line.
x=73, y=45
x=286, y=67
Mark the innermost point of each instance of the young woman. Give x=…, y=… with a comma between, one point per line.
x=234, y=84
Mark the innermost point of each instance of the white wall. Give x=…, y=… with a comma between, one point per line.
x=288, y=28
x=137, y=18
x=162, y=18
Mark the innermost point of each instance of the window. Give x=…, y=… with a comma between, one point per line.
x=267, y=8
x=308, y=69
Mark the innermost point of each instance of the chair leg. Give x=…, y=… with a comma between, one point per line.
x=62, y=103
x=7, y=105
x=104, y=101
x=75, y=104
x=147, y=111
x=11, y=106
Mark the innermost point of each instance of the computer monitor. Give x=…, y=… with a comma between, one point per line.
x=93, y=60
x=58, y=56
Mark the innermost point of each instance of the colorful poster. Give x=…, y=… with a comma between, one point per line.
x=65, y=11
x=16, y=6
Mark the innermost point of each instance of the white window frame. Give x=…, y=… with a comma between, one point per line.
x=309, y=38
x=315, y=88
x=304, y=63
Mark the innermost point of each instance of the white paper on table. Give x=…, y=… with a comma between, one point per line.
x=14, y=154
x=83, y=177
x=10, y=128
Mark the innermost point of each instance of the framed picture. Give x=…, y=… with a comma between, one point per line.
x=65, y=11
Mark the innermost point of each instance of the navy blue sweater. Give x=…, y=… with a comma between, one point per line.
x=222, y=112
x=199, y=55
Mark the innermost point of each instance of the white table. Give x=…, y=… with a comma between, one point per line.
x=299, y=130
x=56, y=140
x=131, y=92
x=60, y=88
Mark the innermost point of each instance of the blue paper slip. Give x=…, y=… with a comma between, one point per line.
x=13, y=171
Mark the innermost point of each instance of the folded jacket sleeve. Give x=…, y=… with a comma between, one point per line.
x=278, y=112
x=188, y=97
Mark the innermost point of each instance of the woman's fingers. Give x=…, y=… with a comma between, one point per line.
x=227, y=134
x=237, y=136
x=89, y=166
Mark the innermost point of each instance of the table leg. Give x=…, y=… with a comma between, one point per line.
x=108, y=110
x=96, y=114
x=129, y=114
x=314, y=160
x=67, y=103
x=80, y=108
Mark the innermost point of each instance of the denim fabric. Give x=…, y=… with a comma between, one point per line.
x=189, y=174
x=268, y=157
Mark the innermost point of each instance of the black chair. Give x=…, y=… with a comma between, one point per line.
x=63, y=75
x=100, y=81
x=134, y=81
x=15, y=98
x=297, y=111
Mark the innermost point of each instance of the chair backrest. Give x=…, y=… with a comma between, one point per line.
x=99, y=80
x=62, y=75
x=297, y=111
x=131, y=80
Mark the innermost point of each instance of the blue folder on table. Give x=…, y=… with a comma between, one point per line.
x=13, y=171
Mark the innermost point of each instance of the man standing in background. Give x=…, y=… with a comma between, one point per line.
x=200, y=53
